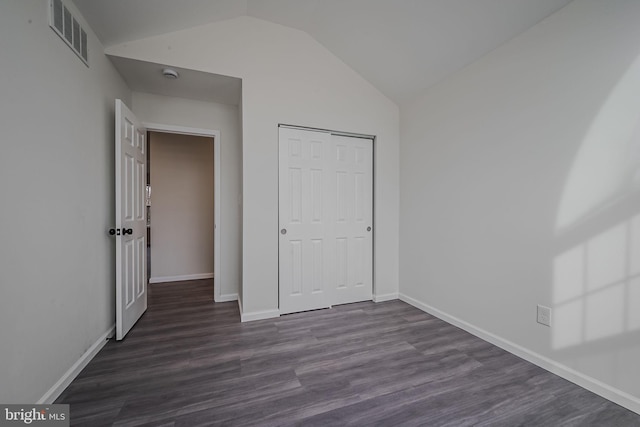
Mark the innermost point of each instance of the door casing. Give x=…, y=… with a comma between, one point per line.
x=217, y=226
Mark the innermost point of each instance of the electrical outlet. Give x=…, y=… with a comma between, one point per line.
x=544, y=315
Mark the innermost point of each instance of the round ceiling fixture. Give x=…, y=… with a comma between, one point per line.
x=170, y=73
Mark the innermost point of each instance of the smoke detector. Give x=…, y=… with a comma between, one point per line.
x=170, y=73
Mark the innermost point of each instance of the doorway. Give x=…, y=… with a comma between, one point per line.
x=184, y=207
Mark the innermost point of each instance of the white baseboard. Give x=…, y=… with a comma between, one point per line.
x=54, y=392
x=598, y=387
x=227, y=298
x=163, y=279
x=385, y=297
x=258, y=315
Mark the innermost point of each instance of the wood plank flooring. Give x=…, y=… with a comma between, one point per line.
x=189, y=362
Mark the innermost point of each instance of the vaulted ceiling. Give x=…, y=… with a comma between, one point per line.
x=400, y=46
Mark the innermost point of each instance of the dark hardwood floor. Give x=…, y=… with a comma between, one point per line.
x=189, y=362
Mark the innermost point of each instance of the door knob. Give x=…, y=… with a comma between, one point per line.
x=114, y=232
x=368, y=228
x=126, y=231
x=283, y=231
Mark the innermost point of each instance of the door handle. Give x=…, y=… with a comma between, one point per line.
x=368, y=228
x=114, y=232
x=283, y=231
x=126, y=231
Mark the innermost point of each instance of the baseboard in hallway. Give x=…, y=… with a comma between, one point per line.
x=182, y=278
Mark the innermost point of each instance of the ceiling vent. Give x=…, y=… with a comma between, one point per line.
x=65, y=25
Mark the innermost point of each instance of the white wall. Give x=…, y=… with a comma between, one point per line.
x=287, y=78
x=226, y=119
x=56, y=182
x=520, y=186
x=181, y=169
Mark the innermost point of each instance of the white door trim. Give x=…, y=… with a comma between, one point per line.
x=332, y=132
x=215, y=134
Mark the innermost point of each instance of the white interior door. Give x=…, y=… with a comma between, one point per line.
x=352, y=257
x=325, y=214
x=304, y=214
x=131, y=227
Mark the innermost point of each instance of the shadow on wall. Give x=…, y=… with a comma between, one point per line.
x=596, y=270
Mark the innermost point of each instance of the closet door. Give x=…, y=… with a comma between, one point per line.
x=352, y=181
x=304, y=217
x=326, y=220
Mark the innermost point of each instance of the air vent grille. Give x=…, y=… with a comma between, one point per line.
x=68, y=23
x=83, y=45
x=69, y=29
x=56, y=14
x=76, y=36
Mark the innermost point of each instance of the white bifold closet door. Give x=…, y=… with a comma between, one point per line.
x=325, y=215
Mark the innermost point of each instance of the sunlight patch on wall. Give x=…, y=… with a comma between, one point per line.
x=569, y=275
x=606, y=258
x=568, y=324
x=607, y=166
x=596, y=287
x=604, y=313
x=633, y=305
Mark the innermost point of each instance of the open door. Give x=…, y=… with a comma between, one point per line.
x=131, y=221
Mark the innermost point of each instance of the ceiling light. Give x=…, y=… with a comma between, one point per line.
x=170, y=73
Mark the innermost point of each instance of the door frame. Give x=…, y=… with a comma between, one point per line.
x=374, y=143
x=217, y=226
